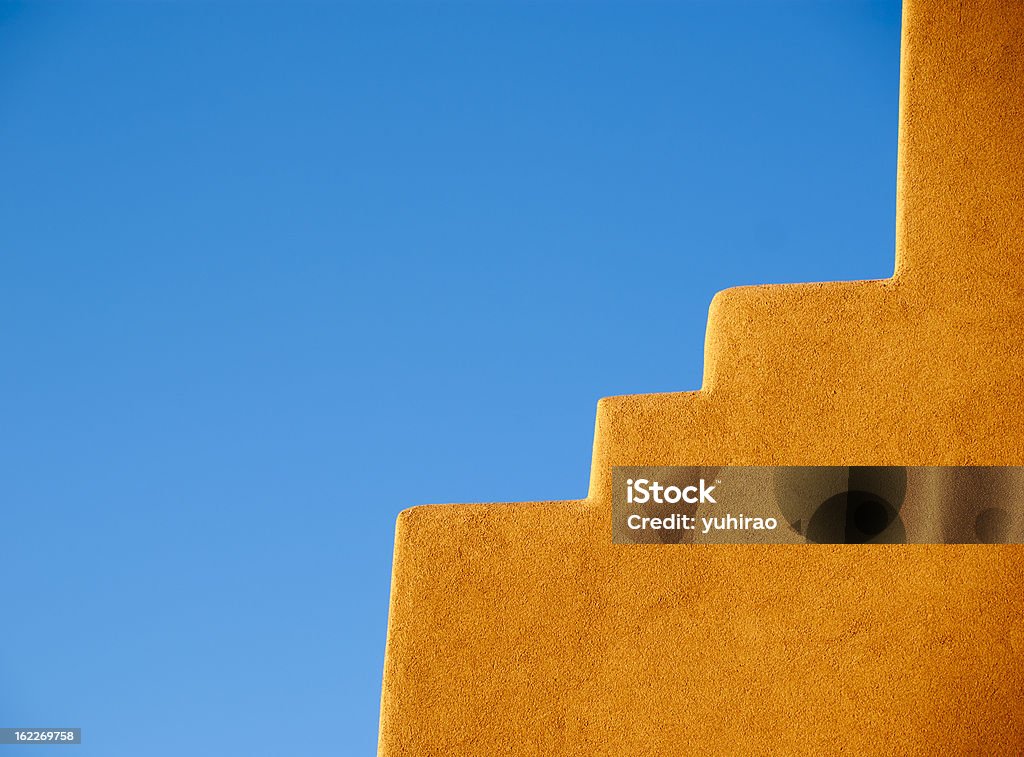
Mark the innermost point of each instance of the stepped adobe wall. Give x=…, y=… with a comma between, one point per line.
x=521, y=629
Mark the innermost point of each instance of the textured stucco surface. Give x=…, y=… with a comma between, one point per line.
x=521, y=629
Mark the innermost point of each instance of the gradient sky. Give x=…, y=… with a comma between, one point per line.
x=270, y=273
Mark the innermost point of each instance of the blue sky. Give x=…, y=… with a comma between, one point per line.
x=270, y=273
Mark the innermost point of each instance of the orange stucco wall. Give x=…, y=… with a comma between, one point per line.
x=520, y=629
